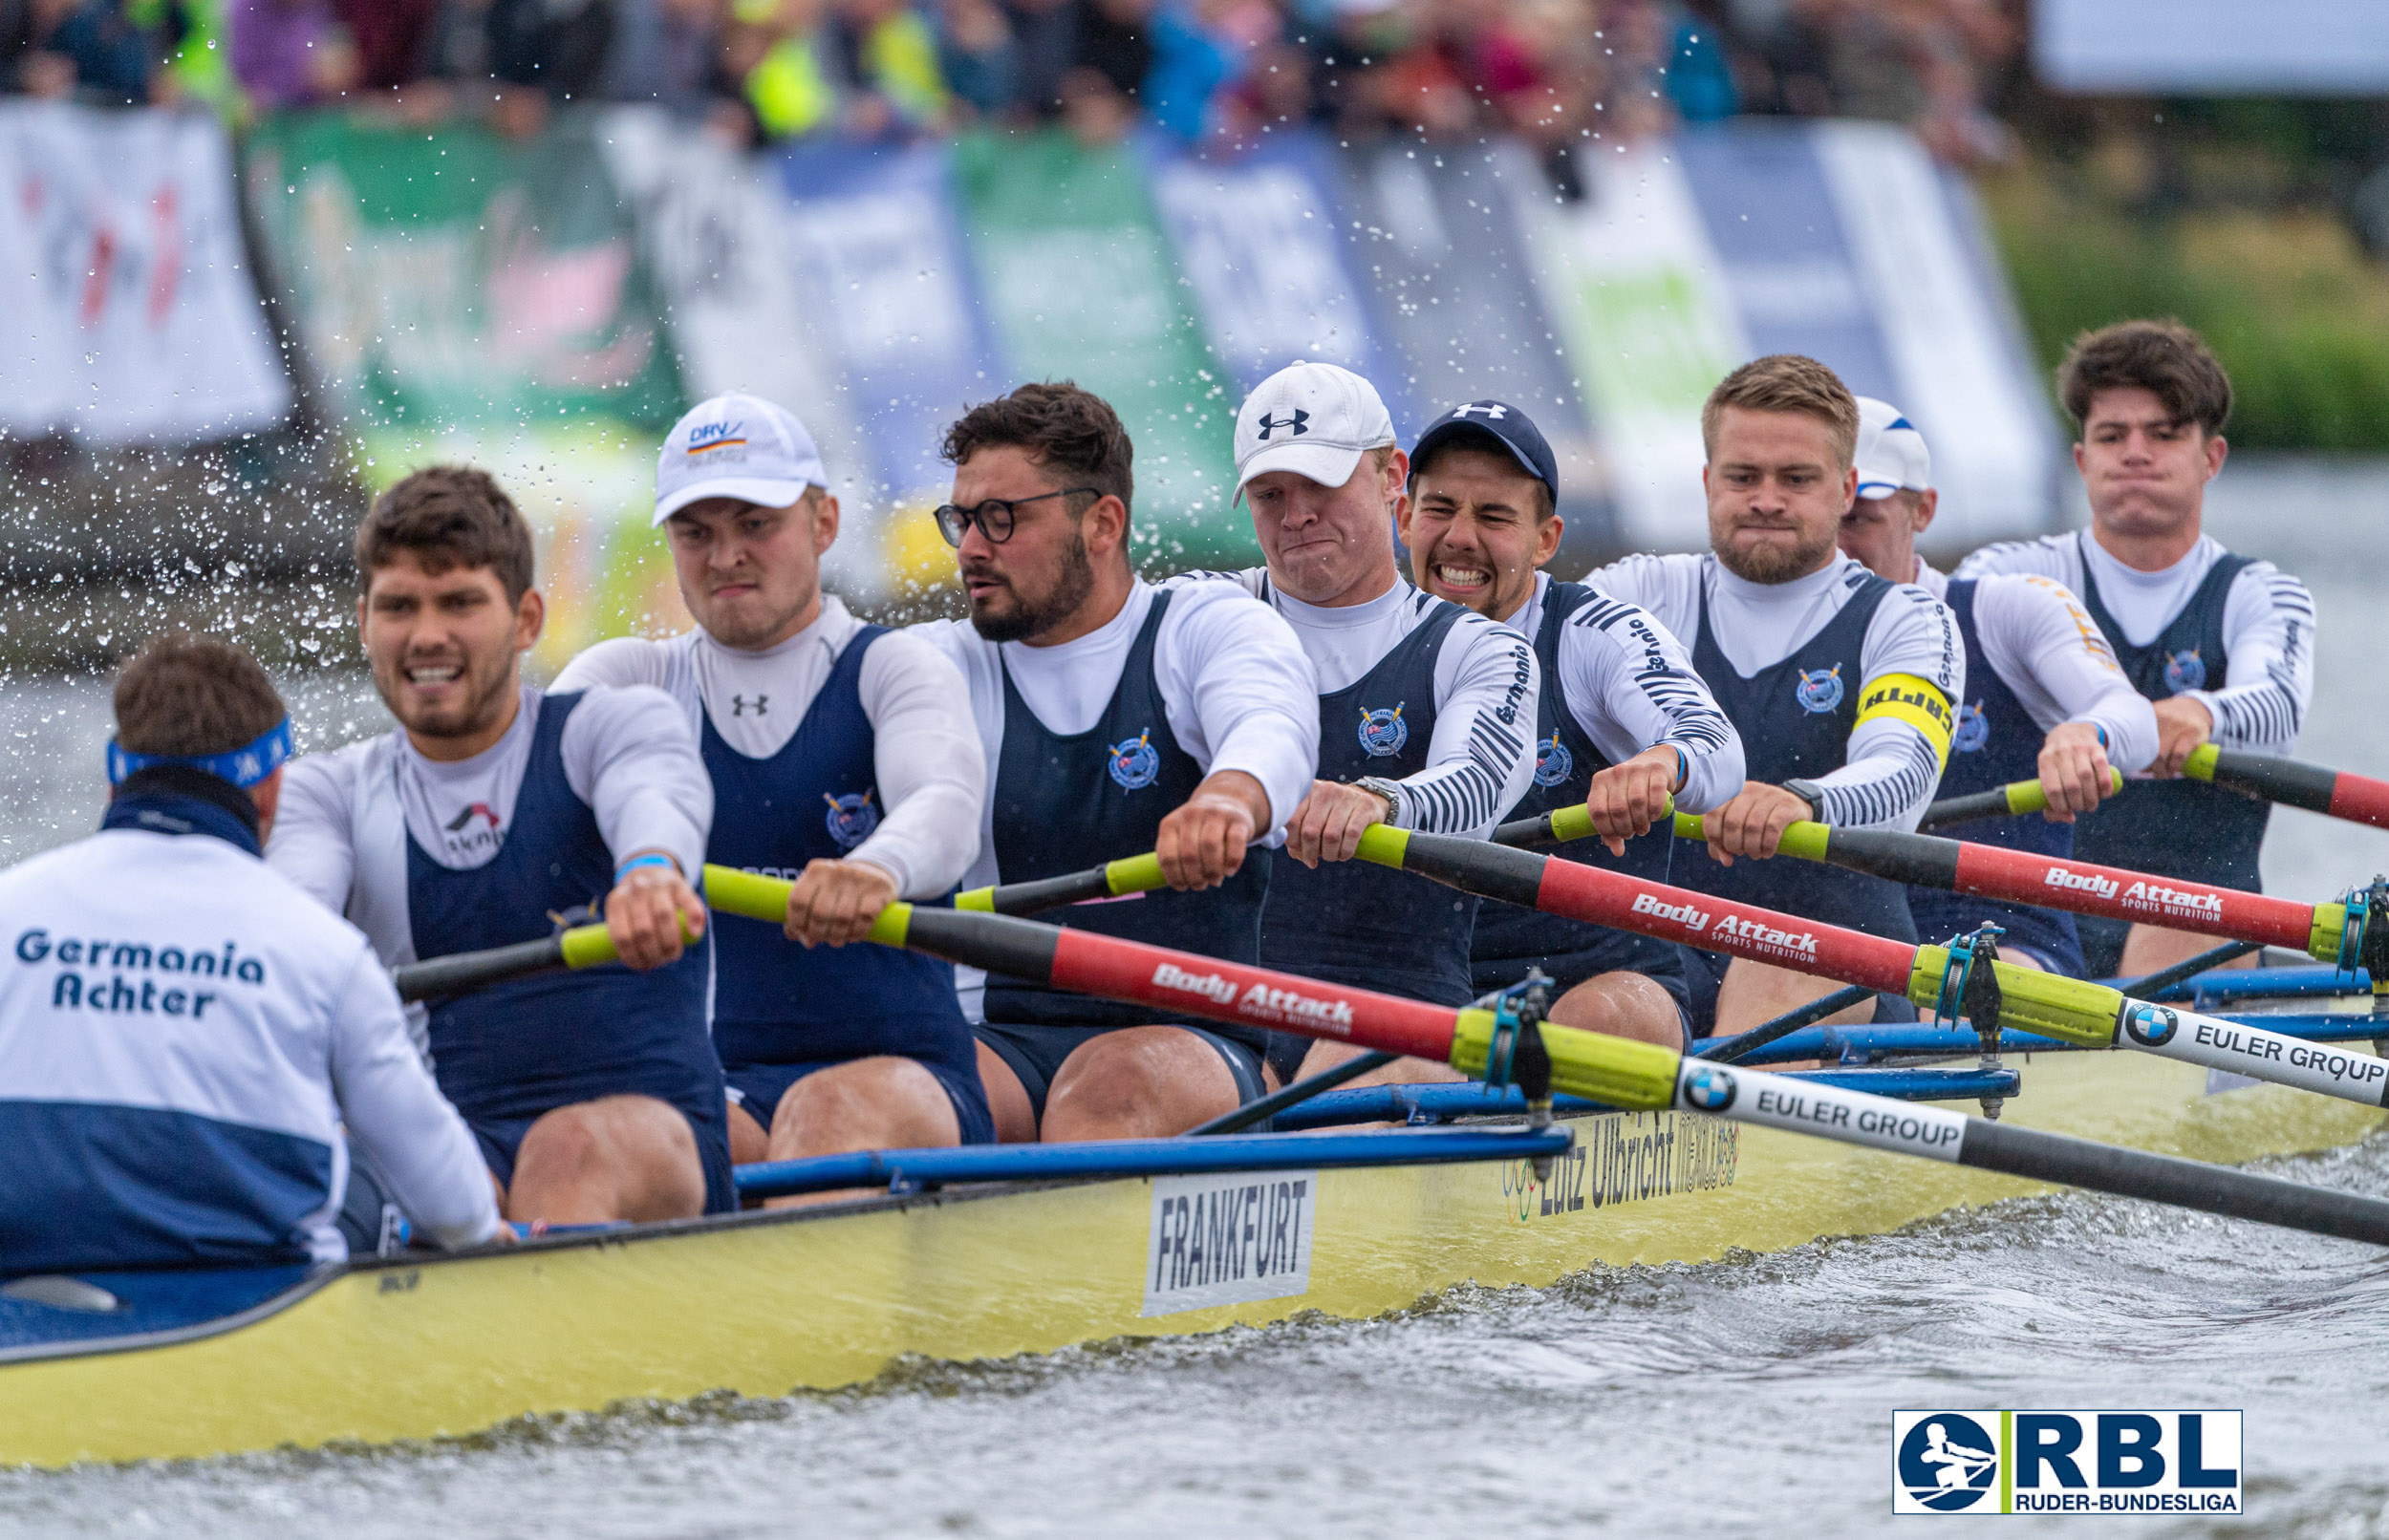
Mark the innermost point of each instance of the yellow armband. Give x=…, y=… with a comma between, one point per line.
x=1918, y=702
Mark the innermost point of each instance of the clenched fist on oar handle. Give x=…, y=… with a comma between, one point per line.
x=1752, y=823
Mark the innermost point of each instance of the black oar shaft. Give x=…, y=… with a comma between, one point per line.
x=469, y=971
x=2132, y=1173
x=1301, y=1091
x=2188, y=968
x=1734, y=1049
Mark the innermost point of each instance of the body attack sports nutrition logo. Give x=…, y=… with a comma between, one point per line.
x=2065, y=1462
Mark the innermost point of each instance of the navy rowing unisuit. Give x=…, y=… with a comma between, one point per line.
x=510, y=1052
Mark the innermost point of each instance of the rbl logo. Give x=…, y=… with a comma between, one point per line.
x=2065, y=1462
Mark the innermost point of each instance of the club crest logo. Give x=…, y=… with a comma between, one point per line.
x=1135, y=761
x=1709, y=1088
x=1947, y=1463
x=1552, y=762
x=1973, y=730
x=1820, y=691
x=851, y=818
x=2185, y=669
x=1384, y=732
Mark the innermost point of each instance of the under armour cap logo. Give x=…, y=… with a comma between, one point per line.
x=1270, y=424
x=1493, y=410
x=739, y=705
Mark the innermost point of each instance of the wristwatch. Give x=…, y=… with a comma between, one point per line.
x=1811, y=793
x=1390, y=790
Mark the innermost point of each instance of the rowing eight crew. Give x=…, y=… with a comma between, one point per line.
x=1079, y=714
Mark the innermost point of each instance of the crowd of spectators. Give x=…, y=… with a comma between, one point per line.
x=1555, y=72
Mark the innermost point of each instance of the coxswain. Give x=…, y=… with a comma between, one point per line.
x=494, y=811
x=2224, y=644
x=185, y=1035
x=1841, y=683
x=1117, y=716
x=1426, y=708
x=1622, y=722
x=2045, y=698
x=843, y=759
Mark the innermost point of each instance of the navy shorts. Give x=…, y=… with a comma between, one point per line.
x=761, y=1086
x=1035, y=1054
x=500, y=1138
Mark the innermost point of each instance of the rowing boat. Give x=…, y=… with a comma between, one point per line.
x=769, y=1302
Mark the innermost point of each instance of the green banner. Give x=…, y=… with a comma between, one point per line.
x=1080, y=284
x=454, y=278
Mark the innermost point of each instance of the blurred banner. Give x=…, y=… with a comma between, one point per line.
x=454, y=277
x=2323, y=48
x=126, y=304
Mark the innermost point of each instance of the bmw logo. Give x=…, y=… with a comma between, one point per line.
x=2152, y=1026
x=1709, y=1087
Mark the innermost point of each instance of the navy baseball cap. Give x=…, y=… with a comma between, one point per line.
x=1515, y=430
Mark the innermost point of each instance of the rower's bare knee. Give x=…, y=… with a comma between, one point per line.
x=1140, y=1083
x=1623, y=1005
x=882, y=1102
x=748, y=1142
x=617, y=1157
x=1753, y=994
x=1326, y=1056
x=1007, y=1099
x=2150, y=948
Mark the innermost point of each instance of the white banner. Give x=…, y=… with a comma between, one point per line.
x=126, y=311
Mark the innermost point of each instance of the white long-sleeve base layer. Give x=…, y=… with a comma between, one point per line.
x=925, y=750
x=1888, y=776
x=2044, y=646
x=1481, y=758
x=2268, y=625
x=341, y=830
x=1629, y=683
x=1235, y=687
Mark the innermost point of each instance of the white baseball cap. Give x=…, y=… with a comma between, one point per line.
x=1313, y=419
x=1891, y=454
x=736, y=446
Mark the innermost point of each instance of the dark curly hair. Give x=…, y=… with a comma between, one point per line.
x=2164, y=357
x=1074, y=434
x=449, y=516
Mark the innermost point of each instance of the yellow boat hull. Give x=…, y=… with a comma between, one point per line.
x=766, y=1304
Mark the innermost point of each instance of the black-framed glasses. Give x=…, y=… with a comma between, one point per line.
x=996, y=517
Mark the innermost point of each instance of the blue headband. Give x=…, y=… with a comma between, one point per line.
x=244, y=766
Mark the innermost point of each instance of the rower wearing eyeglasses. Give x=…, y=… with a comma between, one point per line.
x=843, y=759
x=1117, y=716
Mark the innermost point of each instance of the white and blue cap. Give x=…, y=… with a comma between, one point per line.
x=1891, y=454
x=736, y=446
x=1313, y=419
x=1503, y=423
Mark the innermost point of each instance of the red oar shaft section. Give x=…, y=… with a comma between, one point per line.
x=2081, y=888
x=2317, y=788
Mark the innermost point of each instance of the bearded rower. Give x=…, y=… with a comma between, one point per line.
x=843, y=758
x=493, y=808
x=1840, y=682
x=1622, y=721
x=2223, y=644
x=1117, y=716
x=1426, y=709
x=2045, y=698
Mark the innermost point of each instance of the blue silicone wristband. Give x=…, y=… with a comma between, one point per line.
x=650, y=859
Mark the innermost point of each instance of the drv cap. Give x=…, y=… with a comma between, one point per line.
x=736, y=446
x=1313, y=419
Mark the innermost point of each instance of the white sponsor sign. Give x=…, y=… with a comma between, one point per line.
x=2333, y=1070
x=126, y=311
x=1808, y=1107
x=1229, y=1238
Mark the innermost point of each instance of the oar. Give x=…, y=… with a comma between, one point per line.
x=1113, y=879
x=1615, y=1071
x=1562, y=824
x=2320, y=931
x=2294, y=783
x=2089, y=1015
x=2017, y=797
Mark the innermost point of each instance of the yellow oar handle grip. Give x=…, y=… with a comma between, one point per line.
x=1576, y=821
x=731, y=892
x=1134, y=875
x=1803, y=839
x=2201, y=764
x=586, y=946
x=2031, y=797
